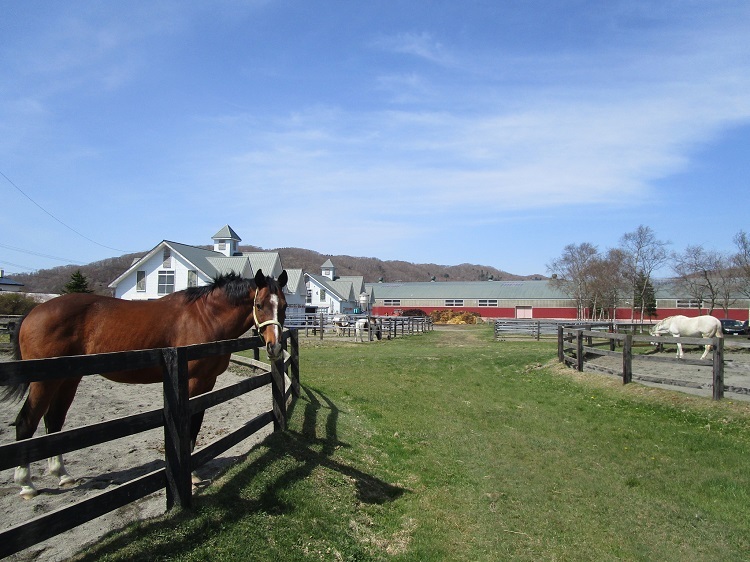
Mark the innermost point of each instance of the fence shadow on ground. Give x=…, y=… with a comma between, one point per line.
x=227, y=505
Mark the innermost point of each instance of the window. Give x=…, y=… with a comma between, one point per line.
x=192, y=278
x=167, y=258
x=308, y=300
x=166, y=282
x=392, y=302
x=688, y=303
x=487, y=302
x=454, y=302
x=140, y=280
x=322, y=295
x=222, y=245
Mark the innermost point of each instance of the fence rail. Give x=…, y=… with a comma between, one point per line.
x=322, y=324
x=576, y=344
x=175, y=476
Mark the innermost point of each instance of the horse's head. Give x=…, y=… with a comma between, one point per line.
x=269, y=311
x=660, y=328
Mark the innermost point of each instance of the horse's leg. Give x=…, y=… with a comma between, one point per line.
x=708, y=348
x=36, y=404
x=196, y=386
x=680, y=354
x=53, y=421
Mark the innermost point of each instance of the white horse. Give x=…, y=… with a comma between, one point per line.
x=341, y=322
x=682, y=326
x=363, y=325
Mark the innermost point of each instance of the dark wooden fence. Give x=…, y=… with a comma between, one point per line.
x=320, y=325
x=7, y=325
x=174, y=417
x=576, y=344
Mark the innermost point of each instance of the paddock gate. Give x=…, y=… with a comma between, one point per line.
x=174, y=417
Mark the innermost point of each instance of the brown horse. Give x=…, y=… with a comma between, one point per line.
x=81, y=324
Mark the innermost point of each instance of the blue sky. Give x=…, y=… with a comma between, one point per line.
x=488, y=132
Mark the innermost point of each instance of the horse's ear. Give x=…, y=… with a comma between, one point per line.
x=283, y=278
x=260, y=279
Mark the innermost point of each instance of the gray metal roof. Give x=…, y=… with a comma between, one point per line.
x=227, y=232
x=296, y=280
x=342, y=290
x=223, y=265
x=269, y=262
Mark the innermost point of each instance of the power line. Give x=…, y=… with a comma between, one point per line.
x=17, y=265
x=22, y=192
x=25, y=251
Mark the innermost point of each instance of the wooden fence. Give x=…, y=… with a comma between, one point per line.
x=526, y=328
x=174, y=417
x=7, y=325
x=575, y=344
x=321, y=324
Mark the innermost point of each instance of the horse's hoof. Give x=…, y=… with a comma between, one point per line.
x=28, y=492
x=67, y=480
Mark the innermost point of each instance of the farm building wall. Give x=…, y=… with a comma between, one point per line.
x=554, y=309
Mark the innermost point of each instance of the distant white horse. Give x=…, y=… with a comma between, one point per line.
x=682, y=326
x=363, y=325
x=341, y=322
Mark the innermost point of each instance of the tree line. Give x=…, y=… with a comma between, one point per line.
x=20, y=304
x=599, y=282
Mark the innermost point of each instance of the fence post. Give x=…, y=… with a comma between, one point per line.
x=579, y=349
x=294, y=364
x=278, y=391
x=718, y=369
x=177, y=427
x=627, y=359
x=321, y=326
x=560, y=349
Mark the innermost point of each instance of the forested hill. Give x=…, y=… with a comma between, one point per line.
x=101, y=273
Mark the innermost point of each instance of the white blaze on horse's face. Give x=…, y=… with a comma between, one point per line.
x=274, y=349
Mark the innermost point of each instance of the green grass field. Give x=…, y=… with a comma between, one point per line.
x=451, y=446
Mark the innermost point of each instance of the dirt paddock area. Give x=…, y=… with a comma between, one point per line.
x=110, y=464
x=674, y=375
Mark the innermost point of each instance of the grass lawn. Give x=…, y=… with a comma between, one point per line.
x=451, y=446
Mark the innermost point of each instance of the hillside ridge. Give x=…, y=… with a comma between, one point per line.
x=101, y=273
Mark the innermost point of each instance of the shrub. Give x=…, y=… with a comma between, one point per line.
x=16, y=303
x=414, y=312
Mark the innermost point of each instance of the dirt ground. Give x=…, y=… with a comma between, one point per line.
x=692, y=379
x=108, y=465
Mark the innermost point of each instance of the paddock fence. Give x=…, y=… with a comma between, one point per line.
x=322, y=325
x=578, y=346
x=508, y=328
x=174, y=417
x=7, y=325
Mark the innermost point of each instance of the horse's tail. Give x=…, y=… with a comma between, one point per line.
x=17, y=392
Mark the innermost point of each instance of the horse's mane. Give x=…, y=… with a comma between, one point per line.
x=234, y=286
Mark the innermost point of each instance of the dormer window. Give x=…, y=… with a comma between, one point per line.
x=167, y=258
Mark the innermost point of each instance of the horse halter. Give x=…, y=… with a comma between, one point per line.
x=258, y=324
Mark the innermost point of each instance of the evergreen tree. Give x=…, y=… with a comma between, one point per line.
x=77, y=284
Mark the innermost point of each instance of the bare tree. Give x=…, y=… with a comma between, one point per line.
x=699, y=275
x=573, y=273
x=643, y=254
x=608, y=283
